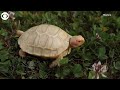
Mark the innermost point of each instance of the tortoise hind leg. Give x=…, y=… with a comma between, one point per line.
x=22, y=53
x=19, y=32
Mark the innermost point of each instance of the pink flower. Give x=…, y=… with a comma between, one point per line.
x=98, y=37
x=11, y=15
x=99, y=69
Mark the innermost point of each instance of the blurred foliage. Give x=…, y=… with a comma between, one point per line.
x=102, y=43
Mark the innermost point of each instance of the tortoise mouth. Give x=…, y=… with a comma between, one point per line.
x=73, y=45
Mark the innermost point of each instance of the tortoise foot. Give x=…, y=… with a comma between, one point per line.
x=54, y=63
x=19, y=33
x=22, y=53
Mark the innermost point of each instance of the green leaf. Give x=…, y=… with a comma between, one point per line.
x=20, y=72
x=4, y=55
x=43, y=66
x=62, y=72
x=59, y=73
x=118, y=22
x=94, y=30
x=31, y=65
x=4, y=66
x=101, y=52
x=73, y=33
x=91, y=75
x=43, y=70
x=118, y=36
x=1, y=45
x=65, y=14
x=87, y=56
x=64, y=61
x=77, y=70
x=66, y=71
x=111, y=53
x=75, y=25
x=105, y=36
x=86, y=64
x=3, y=32
x=43, y=74
x=20, y=69
x=5, y=63
x=105, y=57
x=117, y=65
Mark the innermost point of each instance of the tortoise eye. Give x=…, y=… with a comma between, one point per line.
x=77, y=40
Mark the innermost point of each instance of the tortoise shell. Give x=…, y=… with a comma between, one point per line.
x=44, y=40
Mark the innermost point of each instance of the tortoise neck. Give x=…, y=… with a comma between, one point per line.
x=70, y=43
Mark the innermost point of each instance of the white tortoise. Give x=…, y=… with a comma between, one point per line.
x=48, y=41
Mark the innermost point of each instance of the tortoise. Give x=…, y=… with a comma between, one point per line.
x=48, y=41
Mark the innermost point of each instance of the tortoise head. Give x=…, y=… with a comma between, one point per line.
x=76, y=41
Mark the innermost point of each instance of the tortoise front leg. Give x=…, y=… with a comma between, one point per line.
x=22, y=53
x=56, y=62
x=19, y=33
